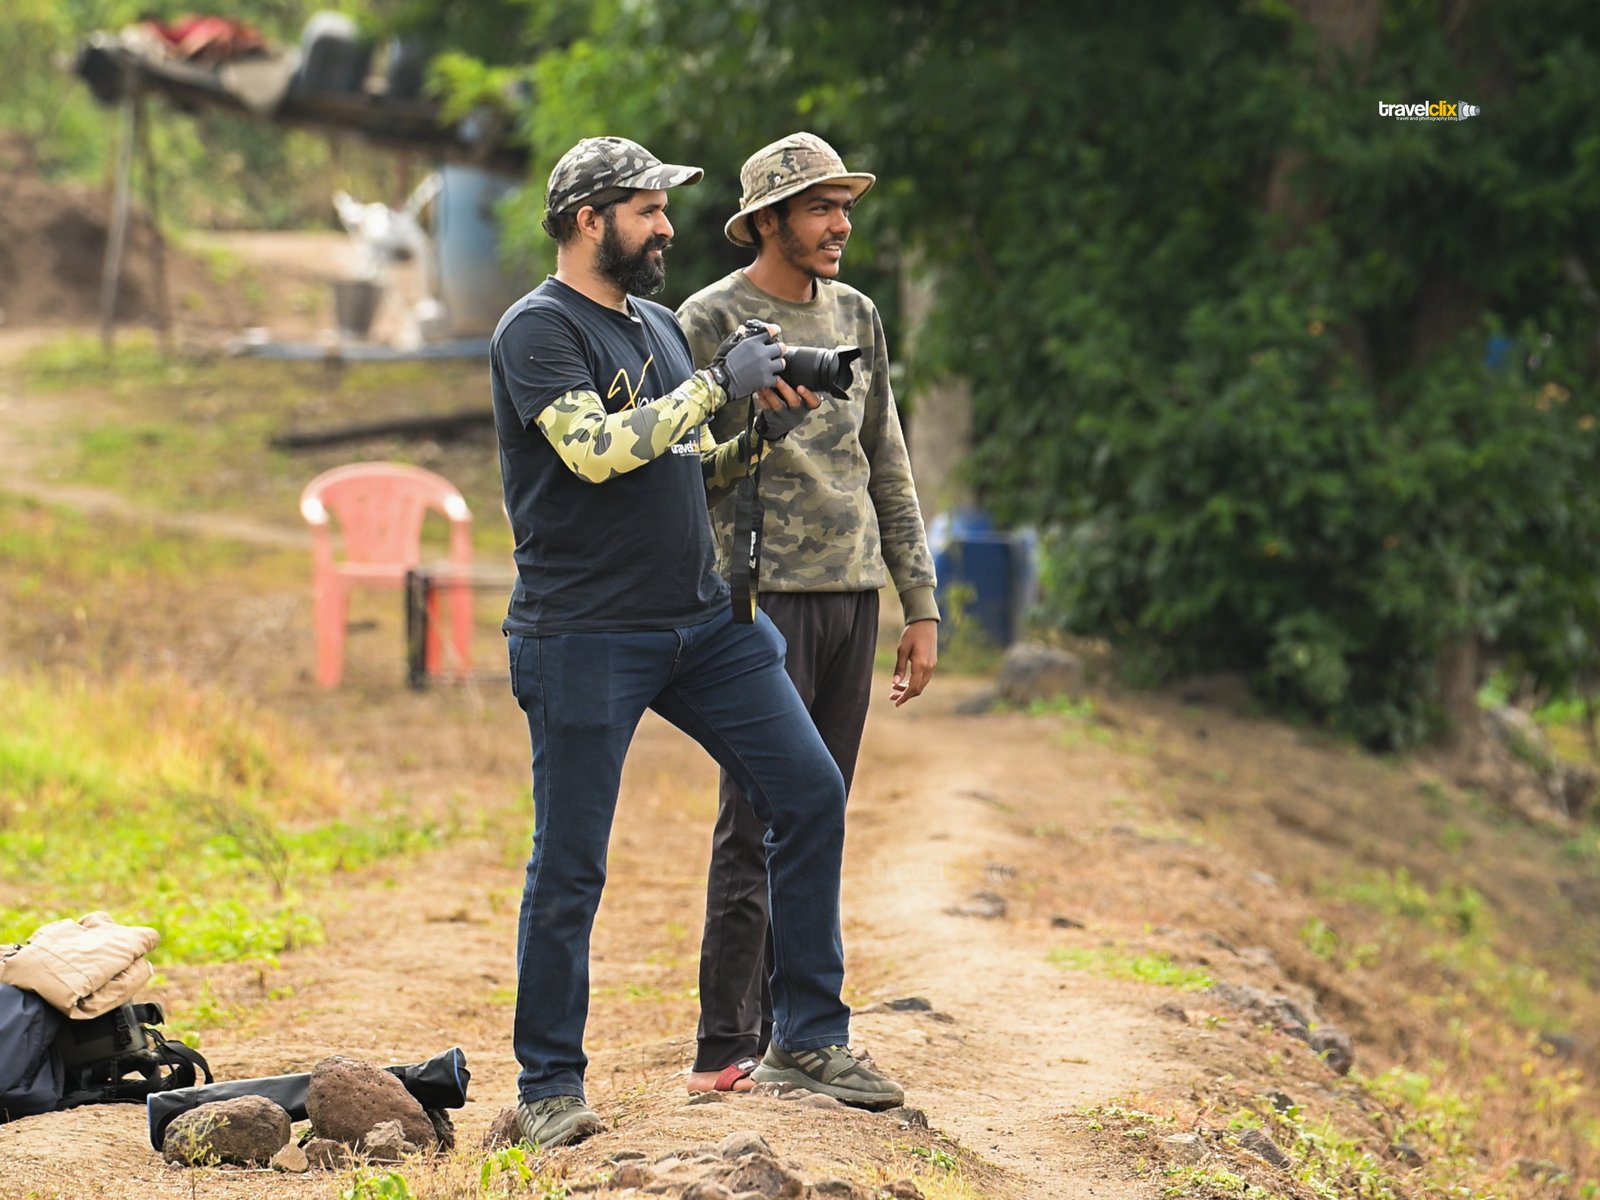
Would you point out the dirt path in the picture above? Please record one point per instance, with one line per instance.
(419, 959)
(419, 953)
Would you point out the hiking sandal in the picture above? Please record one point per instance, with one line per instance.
(729, 1078)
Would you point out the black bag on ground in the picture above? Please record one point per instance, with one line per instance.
(440, 1082)
(31, 1077)
(120, 1057)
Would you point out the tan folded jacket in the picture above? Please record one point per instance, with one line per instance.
(84, 967)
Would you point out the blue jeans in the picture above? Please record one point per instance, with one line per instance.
(724, 685)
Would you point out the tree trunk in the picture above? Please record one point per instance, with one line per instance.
(939, 425)
(1458, 695)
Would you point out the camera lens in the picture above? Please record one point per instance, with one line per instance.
(821, 370)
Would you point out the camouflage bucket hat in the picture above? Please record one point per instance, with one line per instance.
(604, 164)
(785, 168)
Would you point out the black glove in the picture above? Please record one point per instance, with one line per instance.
(749, 328)
(750, 364)
(775, 424)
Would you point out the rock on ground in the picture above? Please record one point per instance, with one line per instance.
(347, 1097)
(244, 1131)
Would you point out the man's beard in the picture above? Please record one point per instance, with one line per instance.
(634, 271)
(795, 250)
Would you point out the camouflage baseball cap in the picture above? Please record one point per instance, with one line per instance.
(785, 168)
(601, 164)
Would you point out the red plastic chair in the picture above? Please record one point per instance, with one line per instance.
(379, 508)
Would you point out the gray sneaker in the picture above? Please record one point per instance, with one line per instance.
(557, 1121)
(832, 1071)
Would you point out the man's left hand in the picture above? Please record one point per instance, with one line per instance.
(780, 408)
(914, 661)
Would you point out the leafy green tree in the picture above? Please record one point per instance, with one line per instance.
(1299, 389)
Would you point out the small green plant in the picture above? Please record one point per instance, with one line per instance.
(209, 1010)
(1131, 1124)
(510, 1161)
(385, 1185)
(190, 1142)
(1455, 908)
(1319, 938)
(939, 1158)
(80, 359)
(1077, 708)
(1118, 963)
(222, 264)
(937, 1175)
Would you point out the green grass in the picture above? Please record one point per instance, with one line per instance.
(1453, 926)
(1403, 1135)
(1119, 963)
(182, 810)
(181, 434)
(1214, 1183)
(39, 542)
(1403, 1109)
(77, 360)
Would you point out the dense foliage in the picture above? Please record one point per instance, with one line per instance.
(1301, 390)
(1296, 388)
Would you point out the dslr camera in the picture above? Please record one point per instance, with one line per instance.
(811, 367)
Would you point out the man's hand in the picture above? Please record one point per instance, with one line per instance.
(741, 332)
(914, 660)
(781, 408)
(750, 365)
(750, 328)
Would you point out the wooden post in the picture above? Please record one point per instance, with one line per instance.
(117, 234)
(158, 245)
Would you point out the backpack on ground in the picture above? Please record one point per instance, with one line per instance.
(32, 1079)
(121, 1057)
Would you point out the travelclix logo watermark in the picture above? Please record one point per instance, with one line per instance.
(1429, 110)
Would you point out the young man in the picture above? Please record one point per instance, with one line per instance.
(840, 509)
(605, 460)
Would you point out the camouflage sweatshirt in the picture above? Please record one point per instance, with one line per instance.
(840, 503)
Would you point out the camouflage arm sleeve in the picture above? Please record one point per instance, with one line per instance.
(725, 463)
(598, 445)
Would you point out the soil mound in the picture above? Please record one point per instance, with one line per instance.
(52, 256)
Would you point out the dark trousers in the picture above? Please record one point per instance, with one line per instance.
(723, 684)
(832, 637)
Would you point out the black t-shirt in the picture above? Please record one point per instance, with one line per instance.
(634, 552)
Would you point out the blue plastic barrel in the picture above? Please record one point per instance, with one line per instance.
(991, 569)
(471, 283)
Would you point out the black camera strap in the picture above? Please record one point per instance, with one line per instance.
(744, 571)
